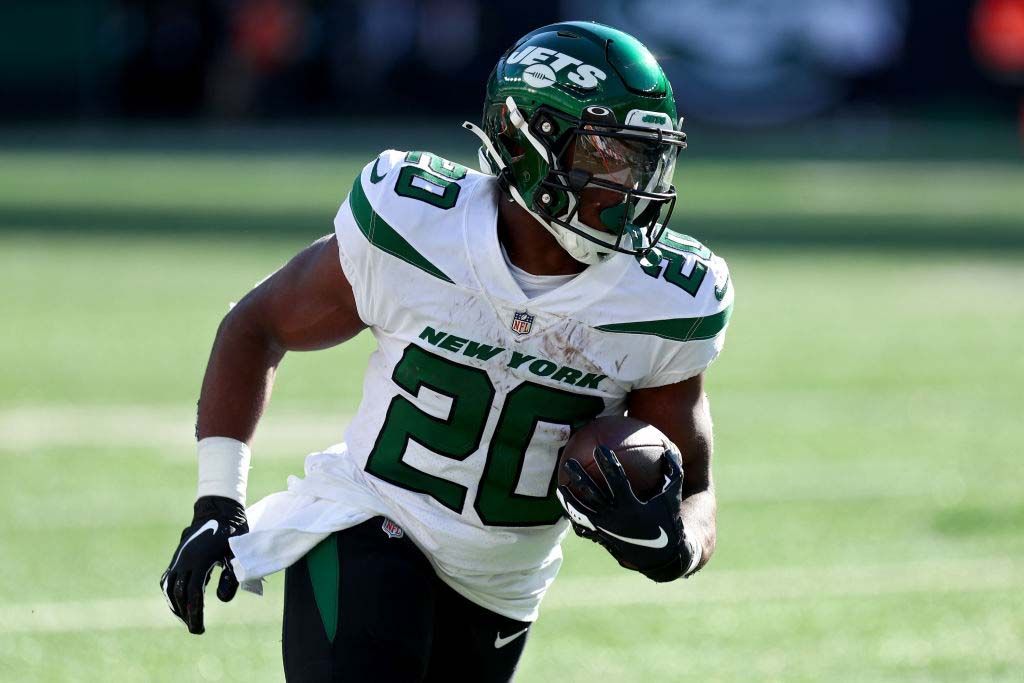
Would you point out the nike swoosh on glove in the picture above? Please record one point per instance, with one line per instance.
(203, 546)
(645, 536)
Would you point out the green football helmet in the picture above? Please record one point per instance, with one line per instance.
(580, 127)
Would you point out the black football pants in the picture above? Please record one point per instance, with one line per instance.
(365, 605)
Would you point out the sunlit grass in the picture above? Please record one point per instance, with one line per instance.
(867, 413)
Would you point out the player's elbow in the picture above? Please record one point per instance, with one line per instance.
(244, 326)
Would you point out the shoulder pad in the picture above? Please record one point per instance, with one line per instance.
(401, 203)
(403, 177)
(688, 288)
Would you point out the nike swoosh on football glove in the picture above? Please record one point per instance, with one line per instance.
(203, 546)
(645, 536)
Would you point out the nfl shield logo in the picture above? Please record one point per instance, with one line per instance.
(391, 529)
(522, 322)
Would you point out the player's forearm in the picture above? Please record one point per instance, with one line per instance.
(700, 507)
(699, 520)
(238, 379)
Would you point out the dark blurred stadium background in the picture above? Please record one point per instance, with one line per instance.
(747, 63)
(857, 161)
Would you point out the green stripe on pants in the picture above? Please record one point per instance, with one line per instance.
(322, 562)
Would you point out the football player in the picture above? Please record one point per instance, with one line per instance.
(510, 307)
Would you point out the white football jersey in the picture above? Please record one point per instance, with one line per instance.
(474, 388)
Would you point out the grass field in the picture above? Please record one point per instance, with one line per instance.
(868, 414)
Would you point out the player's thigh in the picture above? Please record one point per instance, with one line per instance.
(307, 650)
(473, 643)
(367, 599)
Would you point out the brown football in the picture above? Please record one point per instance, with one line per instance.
(638, 446)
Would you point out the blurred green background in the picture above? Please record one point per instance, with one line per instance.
(868, 419)
(868, 406)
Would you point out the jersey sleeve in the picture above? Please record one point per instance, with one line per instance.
(359, 259)
(689, 344)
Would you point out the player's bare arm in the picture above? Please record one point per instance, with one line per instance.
(305, 306)
(681, 411)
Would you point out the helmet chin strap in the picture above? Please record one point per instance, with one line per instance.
(578, 248)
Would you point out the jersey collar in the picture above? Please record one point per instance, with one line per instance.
(492, 275)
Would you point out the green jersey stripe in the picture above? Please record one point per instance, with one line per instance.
(676, 329)
(384, 237)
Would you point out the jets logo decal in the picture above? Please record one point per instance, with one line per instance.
(545, 67)
(539, 76)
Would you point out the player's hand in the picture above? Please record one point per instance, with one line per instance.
(203, 545)
(647, 537)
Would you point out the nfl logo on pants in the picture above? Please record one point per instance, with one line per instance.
(391, 529)
(522, 322)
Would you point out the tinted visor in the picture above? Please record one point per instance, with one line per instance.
(618, 168)
(634, 164)
(611, 182)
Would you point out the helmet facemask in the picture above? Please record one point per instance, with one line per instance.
(605, 182)
(616, 179)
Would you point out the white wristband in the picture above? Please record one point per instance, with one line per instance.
(223, 468)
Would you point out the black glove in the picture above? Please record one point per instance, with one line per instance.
(647, 537)
(203, 545)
